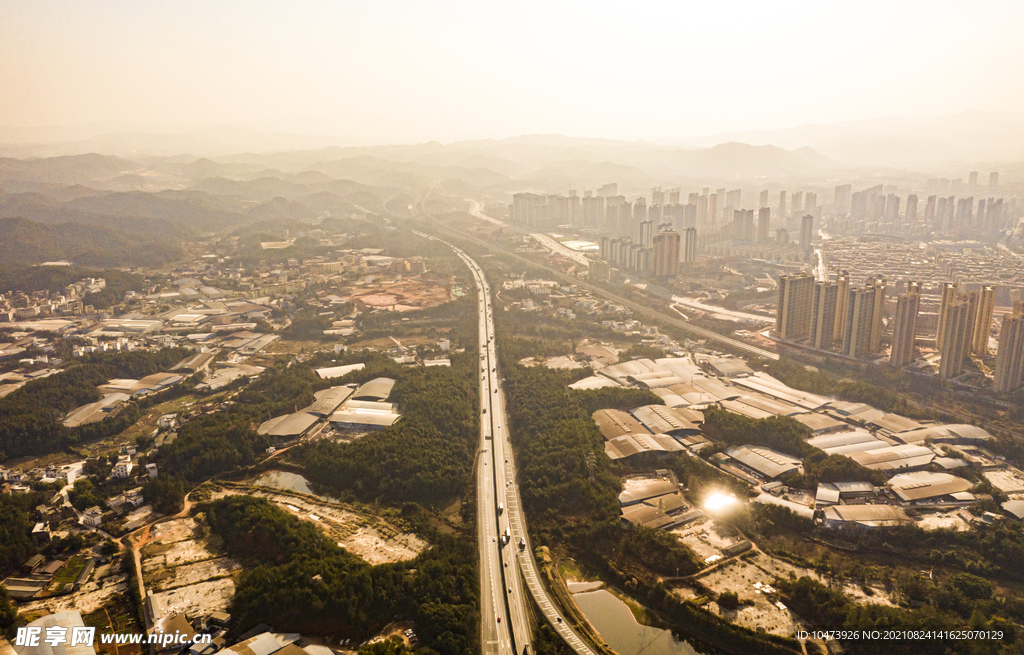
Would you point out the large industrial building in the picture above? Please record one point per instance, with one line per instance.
(852, 517)
(764, 462)
(648, 429)
(924, 486)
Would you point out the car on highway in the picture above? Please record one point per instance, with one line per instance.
(499, 619)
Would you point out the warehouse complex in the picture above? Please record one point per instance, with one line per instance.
(919, 457)
(342, 407)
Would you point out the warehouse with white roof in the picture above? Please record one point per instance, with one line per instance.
(764, 462)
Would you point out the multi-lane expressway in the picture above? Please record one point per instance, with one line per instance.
(506, 557)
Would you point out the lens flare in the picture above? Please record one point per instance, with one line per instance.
(718, 501)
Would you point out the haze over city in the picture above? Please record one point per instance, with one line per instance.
(402, 72)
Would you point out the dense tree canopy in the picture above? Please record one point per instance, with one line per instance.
(427, 456)
(16, 523)
(301, 581)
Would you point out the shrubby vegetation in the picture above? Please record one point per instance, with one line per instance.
(212, 444)
(301, 581)
(166, 493)
(16, 523)
(307, 325)
(962, 603)
(777, 432)
(612, 398)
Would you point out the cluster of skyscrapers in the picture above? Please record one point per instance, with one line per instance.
(645, 237)
(832, 316)
(876, 210)
(610, 212)
(658, 254)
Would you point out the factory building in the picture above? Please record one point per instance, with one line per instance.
(764, 462)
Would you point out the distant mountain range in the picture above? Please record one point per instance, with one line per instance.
(968, 137)
(972, 137)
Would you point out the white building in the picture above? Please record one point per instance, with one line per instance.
(123, 468)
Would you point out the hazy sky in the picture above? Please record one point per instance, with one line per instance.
(412, 71)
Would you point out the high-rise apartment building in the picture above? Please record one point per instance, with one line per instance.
(911, 213)
(797, 202)
(875, 344)
(762, 200)
(993, 180)
(972, 179)
(647, 234)
(764, 219)
(657, 196)
(722, 204)
(639, 211)
(593, 211)
(983, 324)
(955, 329)
(608, 190)
(743, 224)
(665, 257)
(806, 230)
(860, 311)
(673, 196)
(905, 326)
(782, 205)
(732, 199)
(973, 301)
(842, 298)
(713, 209)
(823, 314)
(950, 291)
(892, 209)
(793, 311)
(690, 245)
(843, 196)
(929, 211)
(1010, 356)
(615, 206)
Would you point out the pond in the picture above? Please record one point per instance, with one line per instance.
(612, 618)
(289, 482)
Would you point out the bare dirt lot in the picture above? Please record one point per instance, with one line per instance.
(747, 576)
(370, 537)
(182, 573)
(92, 596)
